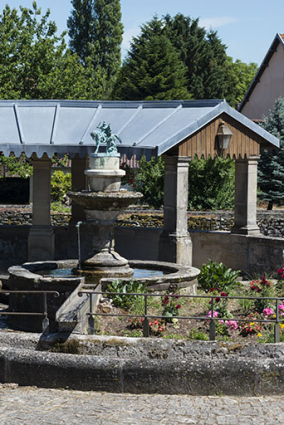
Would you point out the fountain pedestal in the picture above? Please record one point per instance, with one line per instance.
(103, 202)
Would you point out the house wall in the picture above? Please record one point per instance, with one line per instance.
(252, 254)
(269, 88)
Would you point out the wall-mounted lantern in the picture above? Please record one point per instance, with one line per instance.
(224, 136)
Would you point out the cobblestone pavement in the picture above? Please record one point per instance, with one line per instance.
(36, 406)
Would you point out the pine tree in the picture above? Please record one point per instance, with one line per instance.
(153, 69)
(271, 163)
(95, 32)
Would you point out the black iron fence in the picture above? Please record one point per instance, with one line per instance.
(212, 320)
(44, 313)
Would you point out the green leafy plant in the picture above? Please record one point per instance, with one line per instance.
(217, 276)
(121, 300)
(197, 335)
(60, 185)
(20, 167)
(150, 181)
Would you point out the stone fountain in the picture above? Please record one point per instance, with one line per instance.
(103, 202)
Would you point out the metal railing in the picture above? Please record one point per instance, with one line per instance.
(212, 319)
(44, 314)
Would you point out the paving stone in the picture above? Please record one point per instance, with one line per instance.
(38, 406)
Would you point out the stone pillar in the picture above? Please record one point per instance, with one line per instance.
(41, 236)
(79, 182)
(246, 197)
(175, 242)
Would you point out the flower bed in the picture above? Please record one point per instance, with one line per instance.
(240, 311)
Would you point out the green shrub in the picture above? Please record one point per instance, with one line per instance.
(217, 276)
(125, 301)
(60, 185)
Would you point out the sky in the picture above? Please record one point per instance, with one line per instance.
(246, 27)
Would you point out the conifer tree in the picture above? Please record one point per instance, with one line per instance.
(271, 163)
(153, 69)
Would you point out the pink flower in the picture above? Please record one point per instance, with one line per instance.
(267, 311)
(215, 314)
(232, 325)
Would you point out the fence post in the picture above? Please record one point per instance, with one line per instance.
(146, 328)
(277, 326)
(45, 320)
(91, 320)
(212, 322)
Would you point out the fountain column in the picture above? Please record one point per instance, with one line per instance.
(103, 202)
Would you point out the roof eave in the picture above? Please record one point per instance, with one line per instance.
(272, 49)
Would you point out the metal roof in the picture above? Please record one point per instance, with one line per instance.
(278, 39)
(148, 128)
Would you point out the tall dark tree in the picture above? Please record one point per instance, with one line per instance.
(203, 54)
(95, 32)
(271, 163)
(207, 67)
(153, 69)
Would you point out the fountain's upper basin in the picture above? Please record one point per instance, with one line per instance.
(105, 201)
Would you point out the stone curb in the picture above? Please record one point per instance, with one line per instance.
(197, 368)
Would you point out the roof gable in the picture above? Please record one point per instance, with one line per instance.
(279, 39)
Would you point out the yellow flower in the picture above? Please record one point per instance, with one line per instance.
(274, 315)
(259, 334)
(281, 325)
(252, 323)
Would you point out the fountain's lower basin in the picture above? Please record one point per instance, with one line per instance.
(33, 277)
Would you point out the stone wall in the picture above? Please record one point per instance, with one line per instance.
(271, 223)
(252, 254)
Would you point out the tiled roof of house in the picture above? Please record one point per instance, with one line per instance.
(282, 36)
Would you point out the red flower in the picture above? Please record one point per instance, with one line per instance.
(178, 306)
(224, 294)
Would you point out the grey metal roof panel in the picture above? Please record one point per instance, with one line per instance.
(144, 127)
(36, 124)
(9, 133)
